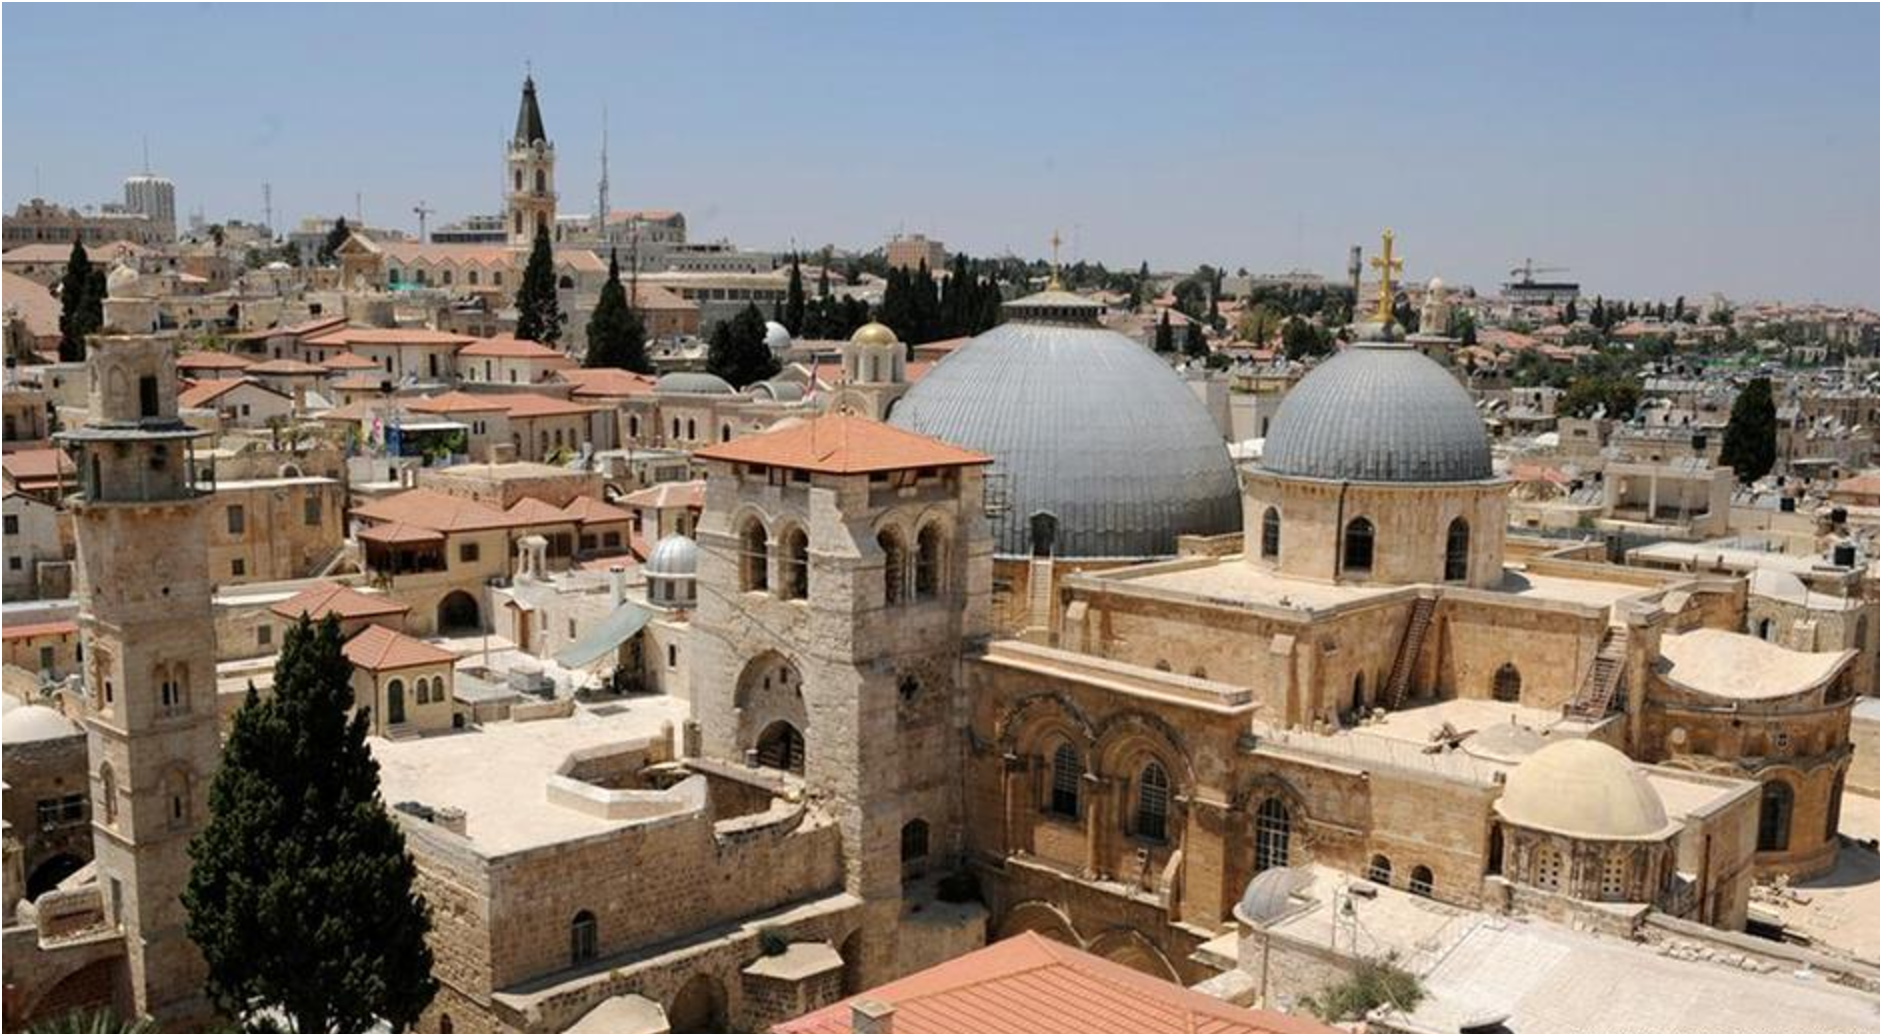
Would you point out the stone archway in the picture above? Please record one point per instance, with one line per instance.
(1130, 948)
(51, 872)
(1042, 918)
(699, 1007)
(458, 612)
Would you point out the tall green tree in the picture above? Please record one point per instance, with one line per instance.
(1195, 341)
(794, 304)
(1302, 340)
(615, 335)
(822, 278)
(81, 304)
(334, 238)
(538, 310)
(1749, 440)
(1164, 335)
(738, 352)
(300, 887)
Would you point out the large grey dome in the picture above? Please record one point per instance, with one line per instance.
(1084, 424)
(1378, 412)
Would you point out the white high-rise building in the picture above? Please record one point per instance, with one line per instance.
(155, 197)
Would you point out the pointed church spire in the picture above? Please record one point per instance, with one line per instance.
(529, 117)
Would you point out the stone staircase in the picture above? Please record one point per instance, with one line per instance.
(1398, 685)
(1601, 688)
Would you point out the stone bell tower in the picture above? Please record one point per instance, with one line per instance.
(843, 567)
(530, 195)
(149, 639)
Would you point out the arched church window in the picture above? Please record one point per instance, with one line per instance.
(1508, 683)
(107, 792)
(1379, 870)
(795, 565)
(541, 181)
(781, 747)
(913, 848)
(1152, 803)
(1772, 826)
(1269, 534)
(1272, 835)
(1360, 544)
(756, 558)
(518, 183)
(1422, 881)
(176, 789)
(1067, 774)
(927, 551)
(1766, 630)
(1456, 552)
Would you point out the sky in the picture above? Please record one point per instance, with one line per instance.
(1652, 151)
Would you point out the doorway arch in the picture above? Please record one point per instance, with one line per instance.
(458, 612)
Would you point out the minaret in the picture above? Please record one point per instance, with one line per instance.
(531, 195)
(600, 217)
(149, 637)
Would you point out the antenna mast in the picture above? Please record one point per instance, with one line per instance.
(600, 220)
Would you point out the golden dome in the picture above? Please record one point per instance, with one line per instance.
(874, 333)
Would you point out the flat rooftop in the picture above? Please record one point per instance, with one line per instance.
(498, 773)
(1233, 580)
(1586, 592)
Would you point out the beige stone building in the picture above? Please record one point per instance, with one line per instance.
(275, 529)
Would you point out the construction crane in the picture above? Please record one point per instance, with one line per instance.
(423, 213)
(1527, 269)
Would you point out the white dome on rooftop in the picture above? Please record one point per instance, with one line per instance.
(776, 337)
(1585, 789)
(35, 723)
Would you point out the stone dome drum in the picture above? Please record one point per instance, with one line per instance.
(1378, 411)
(1086, 426)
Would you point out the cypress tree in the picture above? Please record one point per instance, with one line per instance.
(1749, 440)
(822, 279)
(1195, 342)
(81, 312)
(300, 888)
(794, 306)
(1164, 335)
(615, 335)
(738, 352)
(538, 311)
(334, 238)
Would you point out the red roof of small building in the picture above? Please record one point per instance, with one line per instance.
(287, 368)
(843, 443)
(530, 510)
(212, 361)
(399, 531)
(398, 337)
(39, 629)
(348, 361)
(426, 508)
(520, 405)
(341, 600)
(668, 495)
(377, 648)
(31, 468)
(511, 348)
(1028, 984)
(589, 510)
(607, 383)
(205, 393)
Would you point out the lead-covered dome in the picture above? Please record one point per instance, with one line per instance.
(1086, 426)
(1584, 789)
(1378, 411)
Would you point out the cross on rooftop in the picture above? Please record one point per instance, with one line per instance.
(1386, 264)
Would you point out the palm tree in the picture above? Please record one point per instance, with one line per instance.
(93, 1021)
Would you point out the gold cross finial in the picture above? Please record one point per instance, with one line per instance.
(1386, 265)
(1056, 266)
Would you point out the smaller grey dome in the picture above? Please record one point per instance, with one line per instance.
(35, 723)
(1269, 895)
(687, 383)
(674, 556)
(776, 391)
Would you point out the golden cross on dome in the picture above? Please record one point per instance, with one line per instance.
(1386, 264)
(1056, 266)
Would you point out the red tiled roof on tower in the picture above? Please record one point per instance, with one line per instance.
(1030, 985)
(843, 443)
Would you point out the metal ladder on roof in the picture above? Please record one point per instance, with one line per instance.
(1601, 686)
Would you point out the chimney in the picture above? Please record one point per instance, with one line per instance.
(871, 1016)
(617, 583)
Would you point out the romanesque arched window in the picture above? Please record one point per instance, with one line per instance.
(1272, 835)
(754, 544)
(1766, 630)
(541, 181)
(1152, 803)
(1422, 881)
(913, 848)
(1772, 826)
(176, 794)
(1269, 534)
(107, 793)
(584, 936)
(1508, 683)
(1456, 552)
(1379, 870)
(781, 747)
(893, 565)
(1067, 776)
(795, 565)
(928, 548)
(395, 702)
(1360, 544)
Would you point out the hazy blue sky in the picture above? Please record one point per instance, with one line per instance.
(1654, 150)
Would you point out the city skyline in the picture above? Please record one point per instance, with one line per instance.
(1676, 152)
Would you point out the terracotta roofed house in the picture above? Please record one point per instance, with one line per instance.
(1029, 984)
(407, 683)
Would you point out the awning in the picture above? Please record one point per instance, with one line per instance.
(603, 639)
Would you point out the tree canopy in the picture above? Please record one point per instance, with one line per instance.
(300, 888)
(738, 352)
(81, 303)
(1749, 440)
(334, 238)
(538, 310)
(616, 337)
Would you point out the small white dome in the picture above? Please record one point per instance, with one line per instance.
(1436, 283)
(35, 723)
(1584, 789)
(674, 556)
(776, 336)
(119, 276)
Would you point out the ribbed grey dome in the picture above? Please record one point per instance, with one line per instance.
(1085, 424)
(1378, 412)
(687, 382)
